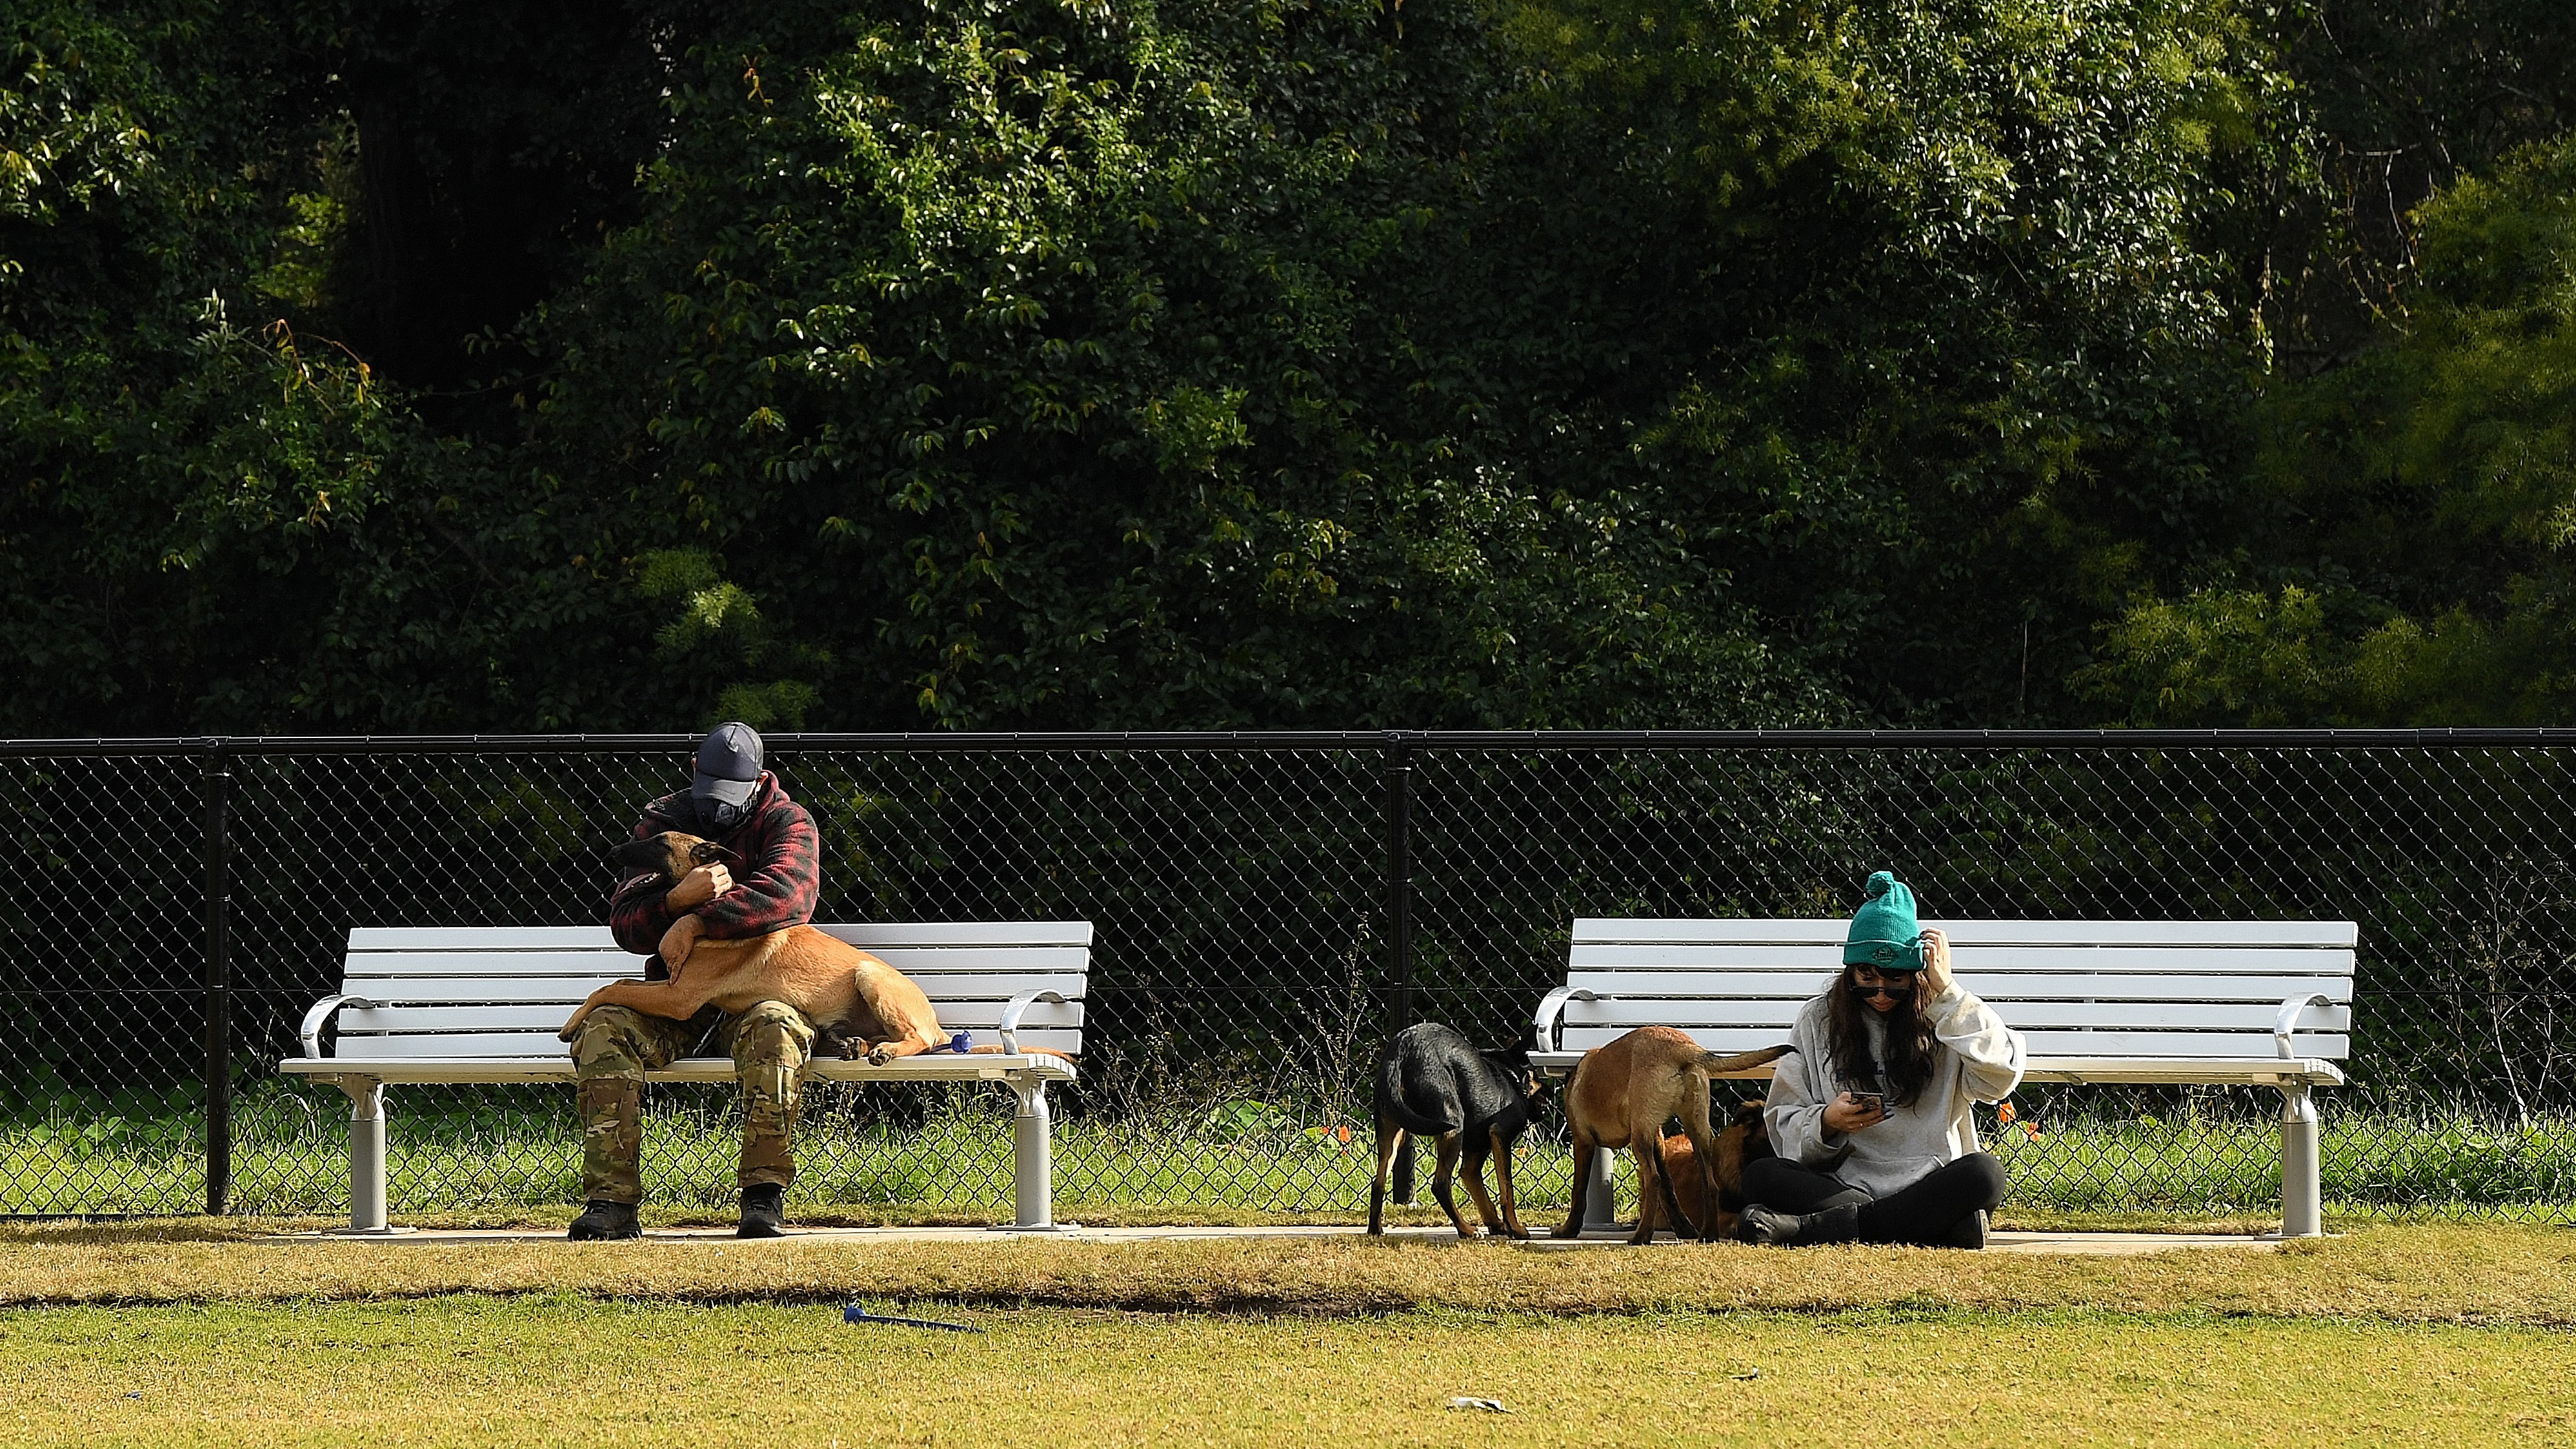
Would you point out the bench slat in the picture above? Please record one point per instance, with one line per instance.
(412, 991)
(2024, 1016)
(979, 987)
(2180, 1045)
(1717, 986)
(374, 965)
(2109, 960)
(1649, 930)
(926, 933)
(934, 1068)
(2172, 1071)
(356, 1052)
(484, 990)
(356, 1022)
(928, 961)
(915, 961)
(870, 933)
(477, 938)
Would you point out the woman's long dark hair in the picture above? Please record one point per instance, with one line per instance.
(1910, 1046)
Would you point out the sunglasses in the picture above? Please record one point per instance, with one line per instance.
(1862, 989)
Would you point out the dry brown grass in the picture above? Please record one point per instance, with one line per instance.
(553, 1370)
(2473, 1274)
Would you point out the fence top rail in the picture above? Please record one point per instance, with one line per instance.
(786, 744)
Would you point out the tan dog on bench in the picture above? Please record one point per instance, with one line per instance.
(1620, 1095)
(878, 1012)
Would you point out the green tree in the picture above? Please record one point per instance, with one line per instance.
(2414, 567)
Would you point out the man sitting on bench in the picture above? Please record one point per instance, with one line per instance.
(732, 801)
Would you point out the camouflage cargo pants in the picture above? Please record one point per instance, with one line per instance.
(616, 1046)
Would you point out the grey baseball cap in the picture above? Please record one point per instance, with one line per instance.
(728, 764)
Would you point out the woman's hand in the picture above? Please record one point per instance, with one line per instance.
(1935, 976)
(1848, 1113)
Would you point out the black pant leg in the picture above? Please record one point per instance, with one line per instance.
(1938, 1209)
(1785, 1187)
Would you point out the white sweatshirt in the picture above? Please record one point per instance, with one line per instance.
(1977, 1059)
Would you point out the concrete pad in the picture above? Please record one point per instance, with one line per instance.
(2071, 1244)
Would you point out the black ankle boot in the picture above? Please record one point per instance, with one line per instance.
(764, 1211)
(602, 1222)
(1762, 1226)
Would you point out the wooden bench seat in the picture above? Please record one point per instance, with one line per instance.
(2207, 1003)
(483, 1004)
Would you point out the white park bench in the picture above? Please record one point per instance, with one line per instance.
(2206, 1003)
(483, 1004)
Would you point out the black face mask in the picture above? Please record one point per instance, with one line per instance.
(720, 816)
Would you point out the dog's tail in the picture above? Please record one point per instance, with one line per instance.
(1742, 1061)
(1390, 1100)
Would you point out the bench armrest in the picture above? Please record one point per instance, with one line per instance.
(321, 1015)
(1019, 1007)
(2291, 1010)
(1543, 1027)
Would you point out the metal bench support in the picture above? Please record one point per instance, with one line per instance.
(1600, 1198)
(366, 1155)
(2302, 1187)
(1032, 1162)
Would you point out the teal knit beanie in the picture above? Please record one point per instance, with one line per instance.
(1884, 929)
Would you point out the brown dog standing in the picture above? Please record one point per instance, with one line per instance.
(1741, 1140)
(876, 1010)
(1621, 1094)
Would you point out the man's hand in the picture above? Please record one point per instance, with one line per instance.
(1935, 975)
(1848, 1113)
(698, 887)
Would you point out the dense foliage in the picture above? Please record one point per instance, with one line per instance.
(1058, 363)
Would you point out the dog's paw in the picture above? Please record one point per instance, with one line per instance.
(880, 1054)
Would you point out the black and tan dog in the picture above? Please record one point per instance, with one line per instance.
(1743, 1139)
(874, 1010)
(1620, 1096)
(1432, 1083)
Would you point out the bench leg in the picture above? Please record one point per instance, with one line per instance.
(2302, 1187)
(1032, 1162)
(366, 1155)
(1600, 1199)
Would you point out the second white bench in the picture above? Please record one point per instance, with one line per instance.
(2206, 1003)
(483, 1004)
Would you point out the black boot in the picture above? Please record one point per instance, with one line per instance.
(764, 1211)
(602, 1222)
(1762, 1226)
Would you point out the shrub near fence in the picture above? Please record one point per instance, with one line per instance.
(1268, 907)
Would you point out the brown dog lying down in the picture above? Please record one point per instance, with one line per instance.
(1741, 1140)
(1620, 1095)
(874, 1010)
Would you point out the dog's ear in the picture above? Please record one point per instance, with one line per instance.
(706, 851)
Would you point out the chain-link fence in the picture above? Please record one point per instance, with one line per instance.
(1267, 908)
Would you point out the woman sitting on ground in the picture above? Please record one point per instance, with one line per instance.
(1869, 1111)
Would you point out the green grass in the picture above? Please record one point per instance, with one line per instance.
(546, 1370)
(518, 1151)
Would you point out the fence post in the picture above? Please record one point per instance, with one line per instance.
(218, 780)
(1399, 916)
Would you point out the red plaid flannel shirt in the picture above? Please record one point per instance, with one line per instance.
(774, 886)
